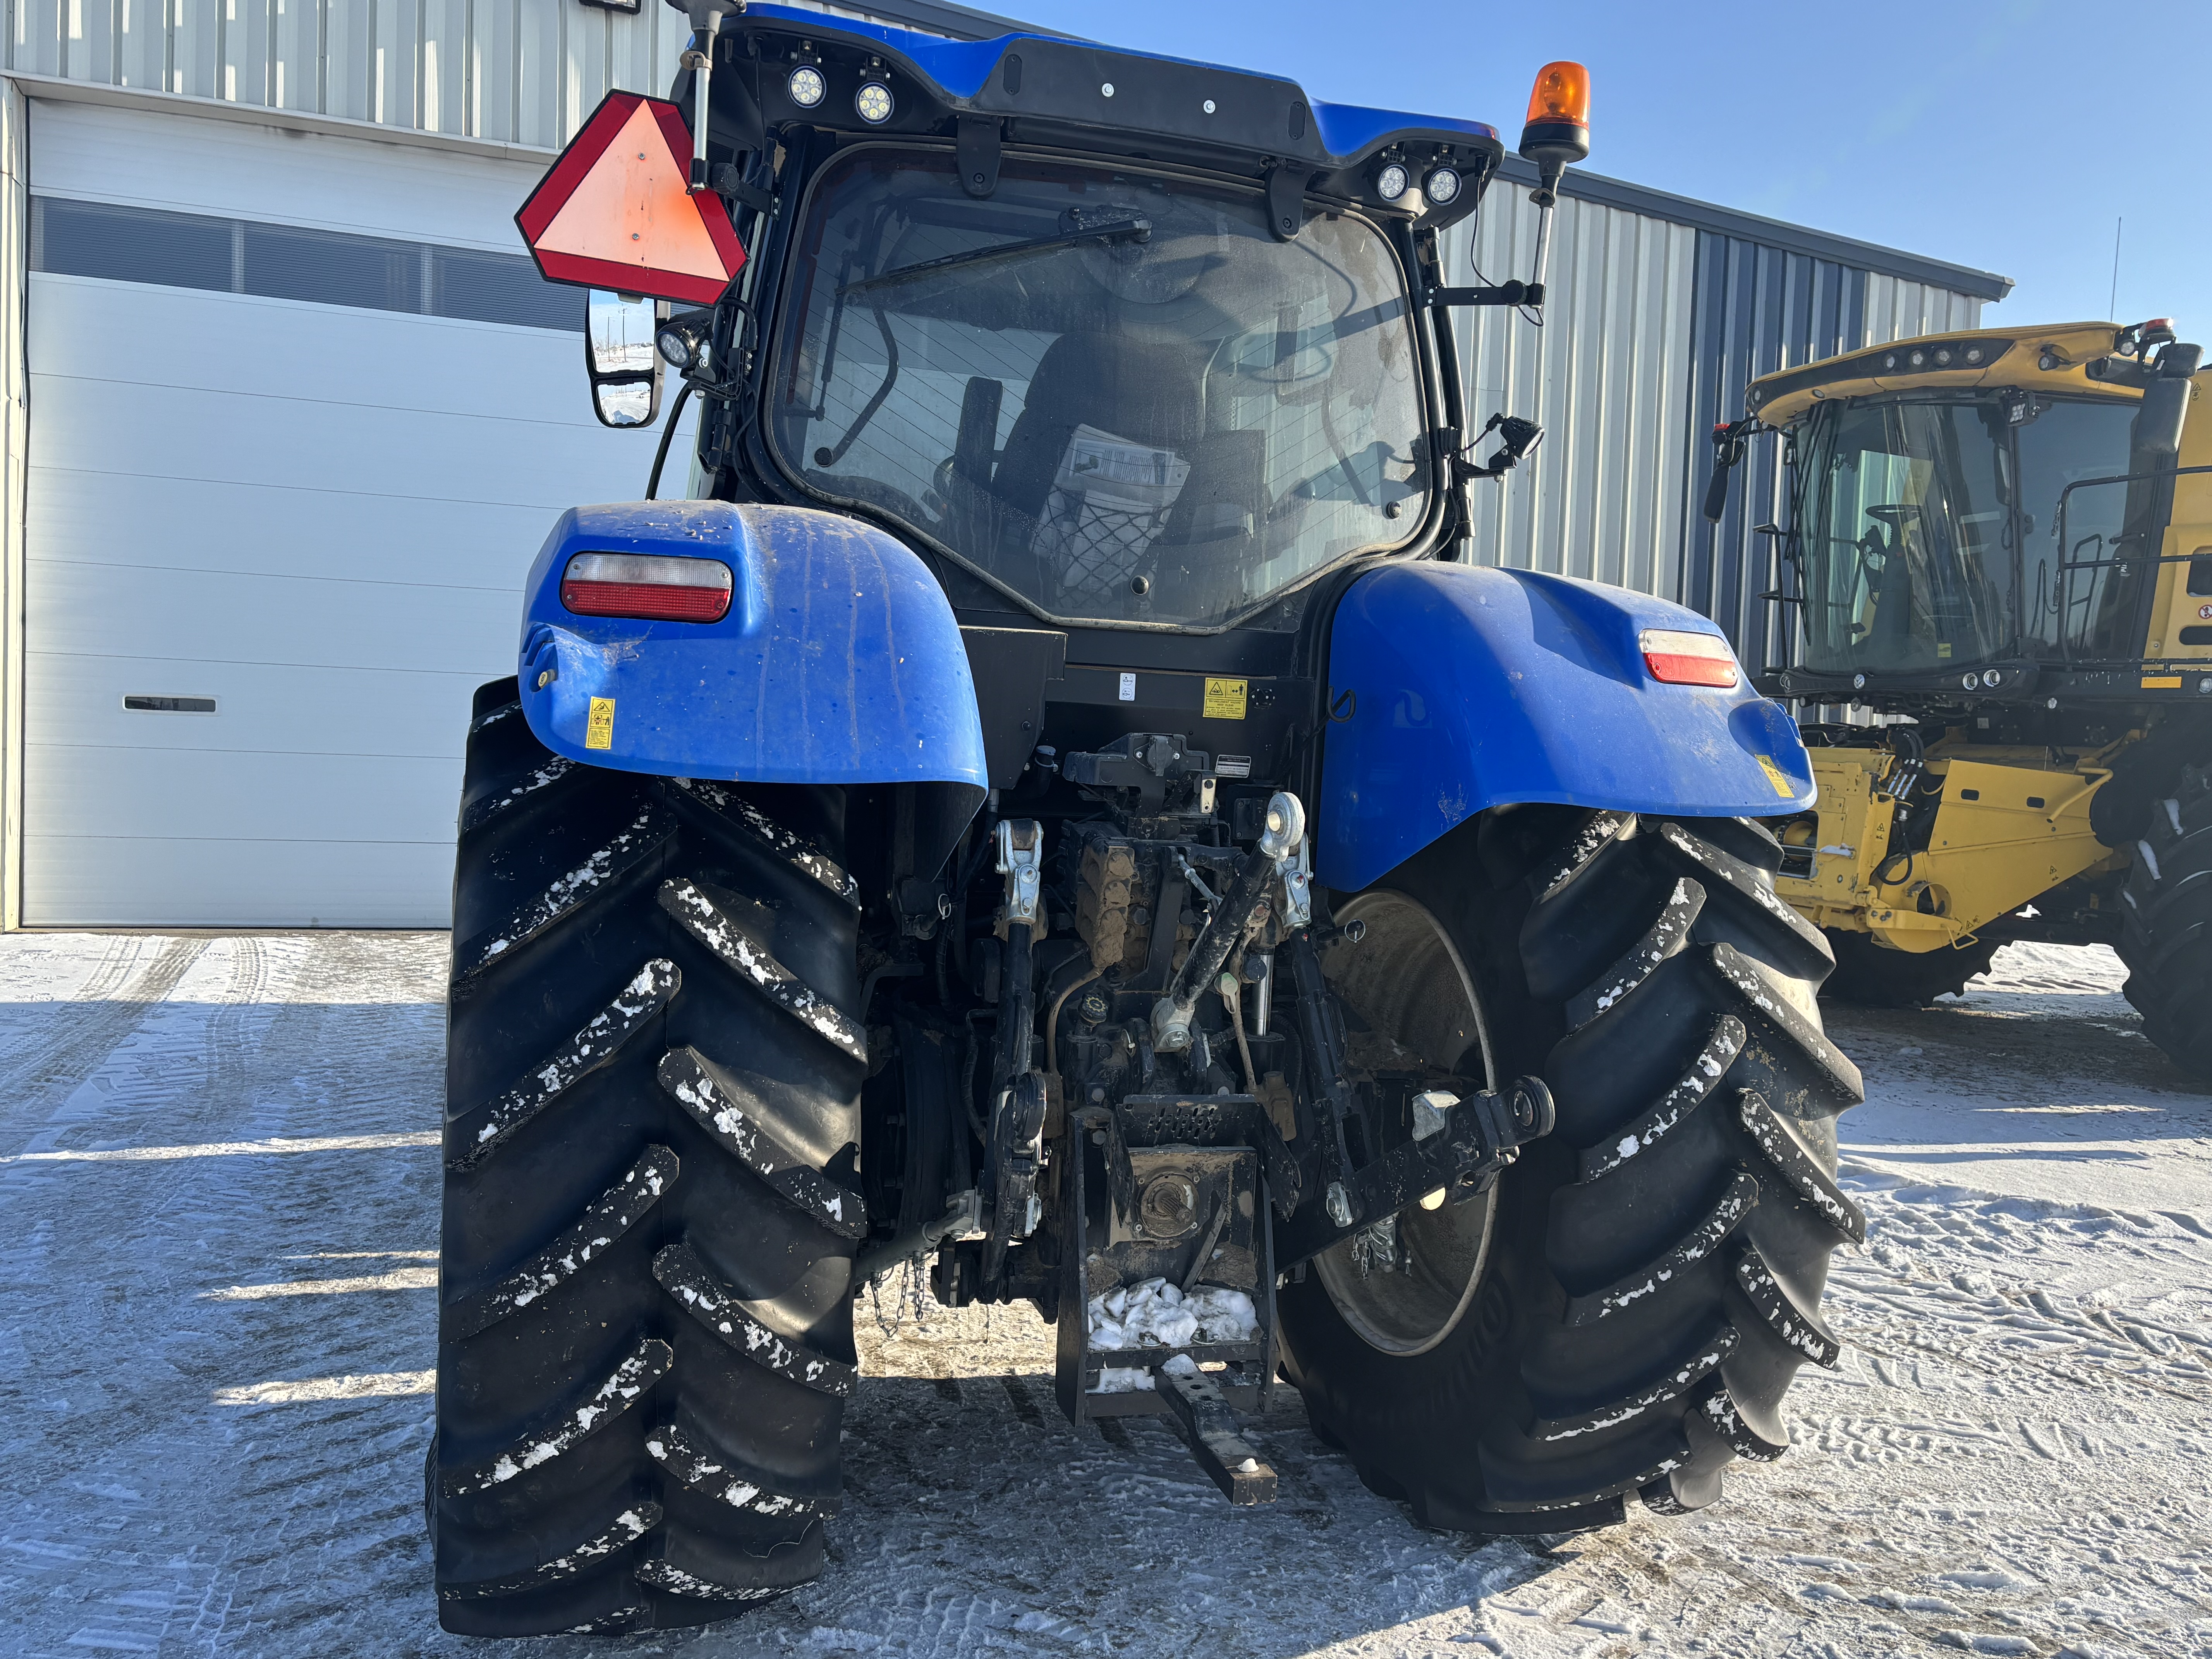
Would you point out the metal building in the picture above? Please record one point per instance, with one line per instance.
(284, 414)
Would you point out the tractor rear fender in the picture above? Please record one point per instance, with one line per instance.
(1455, 688)
(838, 661)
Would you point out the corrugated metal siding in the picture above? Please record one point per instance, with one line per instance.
(1896, 308)
(516, 71)
(1607, 378)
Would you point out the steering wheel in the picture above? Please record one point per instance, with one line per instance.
(1873, 551)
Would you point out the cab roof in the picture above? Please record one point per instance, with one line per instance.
(1068, 94)
(2053, 358)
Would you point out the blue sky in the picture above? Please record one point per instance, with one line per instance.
(2005, 134)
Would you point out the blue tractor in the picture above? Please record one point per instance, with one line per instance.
(1062, 802)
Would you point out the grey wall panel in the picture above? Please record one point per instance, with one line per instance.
(1606, 377)
(1896, 307)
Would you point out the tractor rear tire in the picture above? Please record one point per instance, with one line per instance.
(653, 1082)
(1622, 1316)
(1871, 975)
(2166, 933)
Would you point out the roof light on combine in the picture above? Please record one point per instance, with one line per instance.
(1678, 656)
(655, 589)
(1442, 186)
(1390, 183)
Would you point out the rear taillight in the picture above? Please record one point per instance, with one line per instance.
(653, 589)
(1678, 657)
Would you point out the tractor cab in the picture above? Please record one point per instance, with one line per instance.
(1113, 340)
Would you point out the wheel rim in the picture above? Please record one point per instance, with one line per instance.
(1405, 1288)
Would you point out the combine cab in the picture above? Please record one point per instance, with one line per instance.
(2003, 540)
(1061, 801)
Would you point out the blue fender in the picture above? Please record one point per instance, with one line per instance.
(1471, 688)
(839, 660)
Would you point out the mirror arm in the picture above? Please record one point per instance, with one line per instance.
(706, 19)
(1505, 293)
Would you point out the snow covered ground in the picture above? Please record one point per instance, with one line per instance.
(218, 1215)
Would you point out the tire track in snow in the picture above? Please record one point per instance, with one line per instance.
(259, 1035)
(93, 1026)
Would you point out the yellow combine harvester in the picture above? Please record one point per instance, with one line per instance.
(2000, 542)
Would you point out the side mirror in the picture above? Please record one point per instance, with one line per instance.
(1717, 493)
(2159, 421)
(620, 359)
(1728, 449)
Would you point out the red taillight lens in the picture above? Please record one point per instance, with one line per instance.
(652, 589)
(1676, 657)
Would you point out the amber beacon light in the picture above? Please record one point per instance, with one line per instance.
(1558, 131)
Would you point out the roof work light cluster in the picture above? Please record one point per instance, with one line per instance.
(1941, 356)
(1440, 184)
(807, 86)
(1953, 356)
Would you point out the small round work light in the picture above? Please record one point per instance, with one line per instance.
(1441, 186)
(873, 103)
(806, 86)
(1390, 183)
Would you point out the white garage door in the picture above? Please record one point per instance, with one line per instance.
(300, 416)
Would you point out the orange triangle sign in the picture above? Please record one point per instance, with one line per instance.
(612, 211)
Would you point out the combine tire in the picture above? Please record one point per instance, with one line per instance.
(1874, 976)
(1623, 1314)
(2167, 936)
(653, 1081)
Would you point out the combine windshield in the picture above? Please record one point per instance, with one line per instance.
(1910, 512)
(1117, 395)
(1906, 528)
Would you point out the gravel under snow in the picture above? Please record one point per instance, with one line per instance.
(218, 1221)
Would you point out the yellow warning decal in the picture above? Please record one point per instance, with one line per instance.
(2161, 682)
(599, 730)
(1225, 700)
(1776, 776)
(1943, 650)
